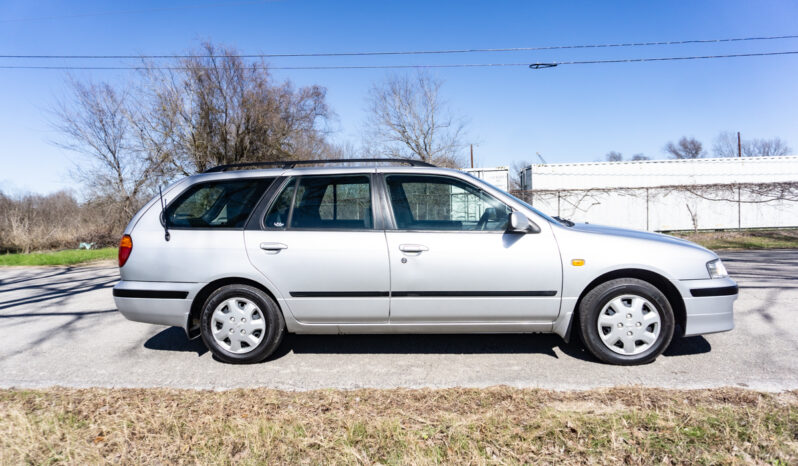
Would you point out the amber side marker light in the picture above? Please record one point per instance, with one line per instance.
(577, 262)
(125, 246)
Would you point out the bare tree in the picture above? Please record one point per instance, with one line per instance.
(213, 108)
(639, 157)
(208, 109)
(96, 123)
(766, 148)
(38, 222)
(686, 148)
(726, 146)
(410, 119)
(516, 175)
(614, 156)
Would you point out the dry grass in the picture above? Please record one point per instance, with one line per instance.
(745, 239)
(496, 425)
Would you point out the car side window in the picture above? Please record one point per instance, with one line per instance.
(429, 202)
(216, 204)
(323, 202)
(277, 216)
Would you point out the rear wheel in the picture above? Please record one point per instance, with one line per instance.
(626, 321)
(241, 324)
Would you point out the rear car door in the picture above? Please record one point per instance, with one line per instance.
(319, 245)
(452, 260)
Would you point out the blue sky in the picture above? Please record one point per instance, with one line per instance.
(568, 114)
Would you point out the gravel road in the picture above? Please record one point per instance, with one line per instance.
(59, 326)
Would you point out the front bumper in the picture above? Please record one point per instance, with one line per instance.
(155, 302)
(709, 306)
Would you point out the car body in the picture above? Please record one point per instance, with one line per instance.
(395, 249)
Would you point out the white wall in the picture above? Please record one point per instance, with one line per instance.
(651, 173)
(664, 209)
(633, 194)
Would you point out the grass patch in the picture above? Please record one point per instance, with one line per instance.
(65, 257)
(495, 425)
(745, 239)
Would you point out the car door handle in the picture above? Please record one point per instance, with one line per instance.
(413, 248)
(274, 247)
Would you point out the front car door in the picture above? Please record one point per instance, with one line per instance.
(319, 246)
(452, 260)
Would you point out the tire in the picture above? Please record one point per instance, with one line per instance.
(636, 324)
(241, 324)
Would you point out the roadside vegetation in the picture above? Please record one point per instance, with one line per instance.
(495, 425)
(744, 239)
(66, 257)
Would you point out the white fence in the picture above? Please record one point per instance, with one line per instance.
(669, 195)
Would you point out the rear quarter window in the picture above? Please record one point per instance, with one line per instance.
(217, 204)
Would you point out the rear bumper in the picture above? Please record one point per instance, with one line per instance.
(709, 308)
(155, 302)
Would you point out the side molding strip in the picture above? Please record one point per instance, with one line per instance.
(413, 294)
(151, 294)
(339, 294)
(474, 294)
(720, 291)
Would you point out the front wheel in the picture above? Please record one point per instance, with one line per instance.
(626, 321)
(241, 324)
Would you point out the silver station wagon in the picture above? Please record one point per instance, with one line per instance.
(239, 257)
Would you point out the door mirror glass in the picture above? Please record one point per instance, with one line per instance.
(518, 222)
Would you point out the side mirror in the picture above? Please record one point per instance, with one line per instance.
(519, 223)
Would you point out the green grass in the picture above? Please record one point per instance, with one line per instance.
(744, 239)
(66, 257)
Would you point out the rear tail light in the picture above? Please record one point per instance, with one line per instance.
(125, 246)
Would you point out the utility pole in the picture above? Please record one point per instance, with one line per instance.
(739, 196)
(739, 146)
(472, 155)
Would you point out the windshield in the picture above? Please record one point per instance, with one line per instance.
(567, 223)
(525, 204)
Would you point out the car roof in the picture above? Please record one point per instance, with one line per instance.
(267, 172)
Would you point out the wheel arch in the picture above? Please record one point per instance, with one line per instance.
(192, 325)
(660, 282)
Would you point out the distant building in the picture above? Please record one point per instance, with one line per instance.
(497, 176)
(665, 195)
(655, 173)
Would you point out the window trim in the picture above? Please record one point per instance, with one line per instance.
(376, 214)
(390, 213)
(162, 218)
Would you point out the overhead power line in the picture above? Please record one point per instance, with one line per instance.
(374, 67)
(409, 52)
(638, 60)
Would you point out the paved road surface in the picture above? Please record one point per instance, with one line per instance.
(59, 326)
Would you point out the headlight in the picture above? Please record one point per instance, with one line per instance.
(716, 269)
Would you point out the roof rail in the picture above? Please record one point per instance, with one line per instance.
(294, 163)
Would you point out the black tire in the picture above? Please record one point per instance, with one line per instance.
(270, 311)
(592, 305)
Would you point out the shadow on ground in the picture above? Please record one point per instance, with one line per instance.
(174, 339)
